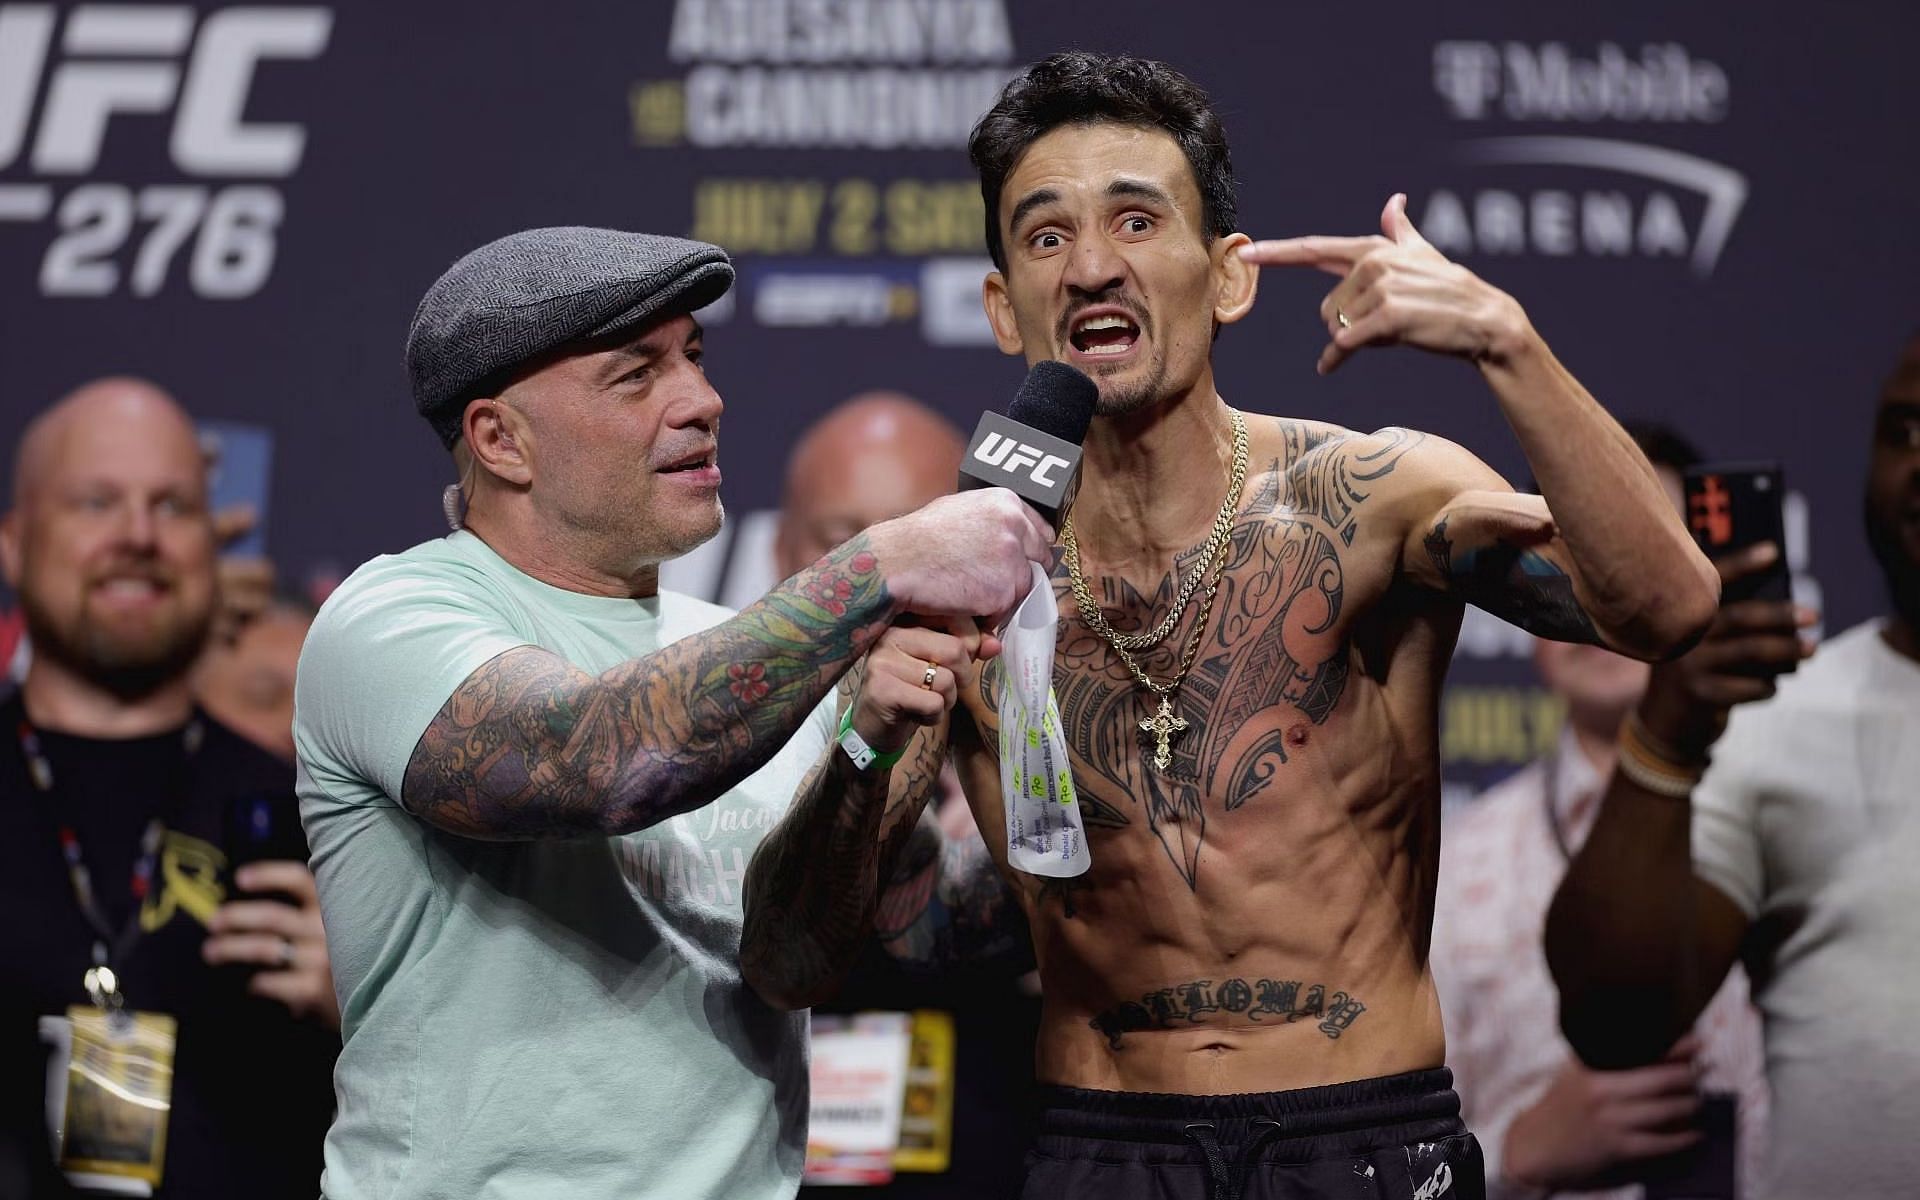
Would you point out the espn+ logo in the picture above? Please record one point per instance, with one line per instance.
(111, 69)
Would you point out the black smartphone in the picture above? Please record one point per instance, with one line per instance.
(263, 828)
(1705, 1170)
(1731, 506)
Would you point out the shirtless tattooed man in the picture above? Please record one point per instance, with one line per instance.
(1258, 613)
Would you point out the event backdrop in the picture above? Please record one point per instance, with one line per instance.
(1707, 209)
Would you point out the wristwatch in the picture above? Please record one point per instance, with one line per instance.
(863, 755)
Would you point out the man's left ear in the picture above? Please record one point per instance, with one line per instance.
(1235, 279)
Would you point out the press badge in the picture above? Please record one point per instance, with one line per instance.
(1044, 833)
(109, 1092)
(926, 1117)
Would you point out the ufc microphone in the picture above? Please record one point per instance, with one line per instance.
(1034, 449)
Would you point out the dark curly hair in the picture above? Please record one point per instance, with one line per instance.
(1078, 87)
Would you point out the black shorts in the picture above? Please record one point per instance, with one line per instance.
(1394, 1138)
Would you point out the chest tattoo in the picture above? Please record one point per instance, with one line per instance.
(1273, 663)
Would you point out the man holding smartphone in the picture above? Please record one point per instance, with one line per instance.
(143, 845)
(1794, 852)
(1550, 1123)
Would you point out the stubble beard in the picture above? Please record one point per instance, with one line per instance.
(1123, 398)
(708, 531)
(668, 536)
(129, 667)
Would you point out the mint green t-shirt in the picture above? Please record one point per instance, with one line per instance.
(560, 1018)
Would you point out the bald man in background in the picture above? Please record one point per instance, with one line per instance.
(873, 457)
(133, 825)
(876, 456)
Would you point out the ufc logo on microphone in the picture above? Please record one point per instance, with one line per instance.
(1014, 457)
(119, 59)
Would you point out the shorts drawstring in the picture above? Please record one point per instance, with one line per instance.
(1231, 1186)
(1202, 1135)
(1266, 1130)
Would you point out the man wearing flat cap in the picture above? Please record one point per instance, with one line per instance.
(533, 782)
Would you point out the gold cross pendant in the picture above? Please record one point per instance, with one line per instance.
(1163, 725)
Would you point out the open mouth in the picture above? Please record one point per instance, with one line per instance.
(1104, 334)
(130, 589)
(699, 462)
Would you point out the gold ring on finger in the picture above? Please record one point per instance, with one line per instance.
(1341, 317)
(926, 680)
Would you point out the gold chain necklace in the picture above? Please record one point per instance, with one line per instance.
(1163, 724)
(1222, 530)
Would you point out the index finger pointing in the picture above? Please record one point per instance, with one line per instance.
(1335, 255)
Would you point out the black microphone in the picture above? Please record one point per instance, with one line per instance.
(1034, 449)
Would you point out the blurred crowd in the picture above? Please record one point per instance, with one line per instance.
(1618, 1040)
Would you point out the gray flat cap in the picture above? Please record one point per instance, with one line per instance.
(525, 294)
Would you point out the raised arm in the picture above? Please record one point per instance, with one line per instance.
(1468, 534)
(1634, 570)
(529, 746)
(1612, 563)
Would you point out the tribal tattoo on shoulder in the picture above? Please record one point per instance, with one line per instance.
(1231, 1001)
(531, 746)
(1273, 662)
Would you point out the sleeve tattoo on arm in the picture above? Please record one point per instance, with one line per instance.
(530, 746)
(948, 906)
(815, 885)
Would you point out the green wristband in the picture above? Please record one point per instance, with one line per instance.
(863, 755)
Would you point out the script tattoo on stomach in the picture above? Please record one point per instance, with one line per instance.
(1275, 642)
(1259, 1002)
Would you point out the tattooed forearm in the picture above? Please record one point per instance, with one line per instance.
(1514, 583)
(811, 885)
(948, 907)
(814, 886)
(530, 746)
(1202, 1002)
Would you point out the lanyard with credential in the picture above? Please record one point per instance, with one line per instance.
(102, 985)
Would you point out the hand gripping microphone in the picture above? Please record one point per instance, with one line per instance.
(1035, 451)
(1034, 448)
